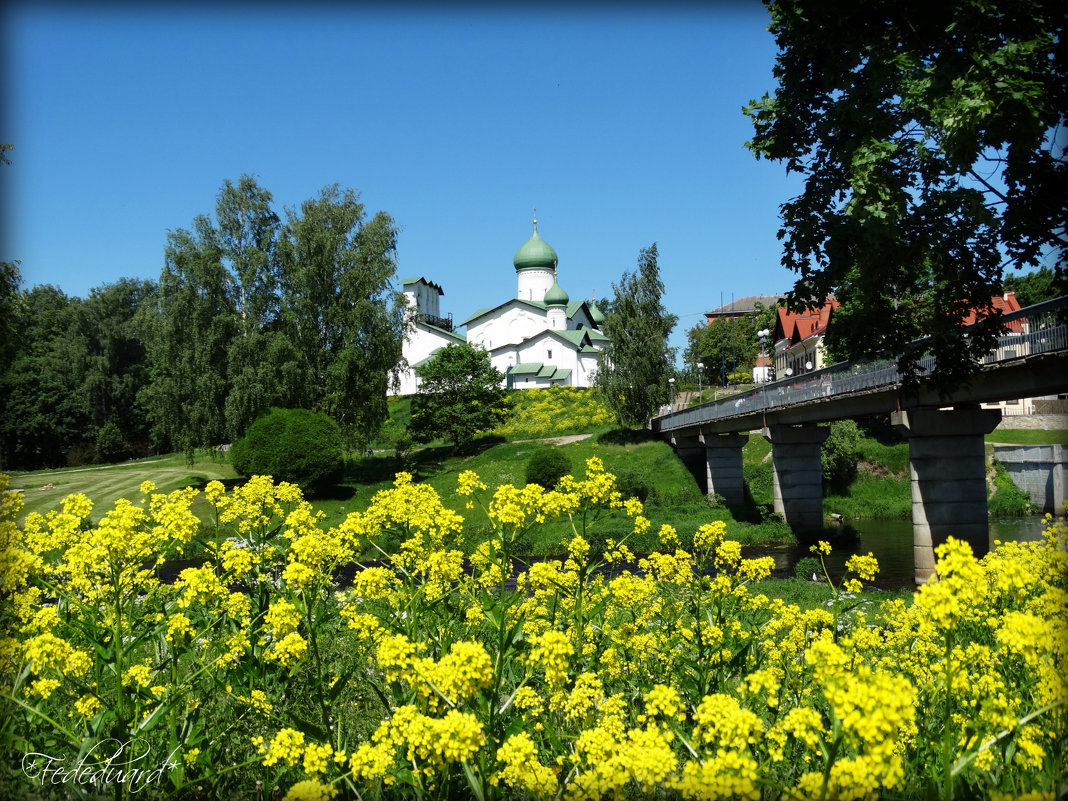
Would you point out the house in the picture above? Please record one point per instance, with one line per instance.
(539, 338)
(798, 338)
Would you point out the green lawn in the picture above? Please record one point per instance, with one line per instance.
(1028, 436)
(104, 484)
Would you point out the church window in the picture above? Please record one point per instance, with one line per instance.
(548, 354)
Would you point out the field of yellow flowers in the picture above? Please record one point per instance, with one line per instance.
(371, 660)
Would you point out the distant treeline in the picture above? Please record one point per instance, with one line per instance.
(251, 310)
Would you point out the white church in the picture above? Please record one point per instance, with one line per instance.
(539, 338)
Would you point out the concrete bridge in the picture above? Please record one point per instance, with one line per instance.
(947, 456)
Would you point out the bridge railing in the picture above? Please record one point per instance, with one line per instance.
(1041, 328)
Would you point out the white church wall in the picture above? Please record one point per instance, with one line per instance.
(418, 345)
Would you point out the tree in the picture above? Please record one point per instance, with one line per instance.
(116, 366)
(461, 395)
(633, 370)
(724, 347)
(190, 329)
(931, 141)
(10, 279)
(44, 416)
(340, 312)
(1034, 287)
(252, 314)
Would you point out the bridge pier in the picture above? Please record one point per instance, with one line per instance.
(947, 464)
(723, 466)
(797, 475)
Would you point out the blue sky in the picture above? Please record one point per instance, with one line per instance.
(622, 125)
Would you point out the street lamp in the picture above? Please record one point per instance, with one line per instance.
(671, 391)
(763, 335)
(700, 390)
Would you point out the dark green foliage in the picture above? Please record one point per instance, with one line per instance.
(839, 452)
(461, 395)
(295, 445)
(633, 370)
(78, 365)
(111, 444)
(339, 311)
(929, 139)
(1008, 500)
(632, 482)
(254, 313)
(807, 567)
(1035, 287)
(547, 466)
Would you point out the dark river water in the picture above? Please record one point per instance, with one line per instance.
(890, 541)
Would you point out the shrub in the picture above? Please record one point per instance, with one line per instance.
(81, 453)
(547, 466)
(807, 567)
(839, 453)
(1008, 500)
(632, 482)
(111, 444)
(295, 445)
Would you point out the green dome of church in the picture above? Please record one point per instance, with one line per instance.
(596, 314)
(556, 295)
(536, 254)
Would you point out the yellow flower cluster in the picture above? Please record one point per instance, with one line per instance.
(552, 412)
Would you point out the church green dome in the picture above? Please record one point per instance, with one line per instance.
(536, 254)
(556, 295)
(596, 314)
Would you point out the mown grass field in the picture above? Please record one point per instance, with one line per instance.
(104, 484)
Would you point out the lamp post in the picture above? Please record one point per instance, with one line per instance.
(763, 335)
(671, 392)
(700, 388)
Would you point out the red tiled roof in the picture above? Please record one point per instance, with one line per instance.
(1003, 304)
(797, 326)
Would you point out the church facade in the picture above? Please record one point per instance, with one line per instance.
(539, 338)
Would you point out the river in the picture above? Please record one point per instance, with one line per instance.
(890, 541)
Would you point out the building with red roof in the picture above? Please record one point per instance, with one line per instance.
(798, 338)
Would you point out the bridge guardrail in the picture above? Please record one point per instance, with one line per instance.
(1041, 328)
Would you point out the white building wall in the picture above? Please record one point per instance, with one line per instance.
(425, 298)
(418, 345)
(533, 284)
(507, 327)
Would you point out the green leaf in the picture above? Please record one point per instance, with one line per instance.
(474, 784)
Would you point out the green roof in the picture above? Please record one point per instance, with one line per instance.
(534, 304)
(539, 370)
(535, 254)
(405, 281)
(556, 296)
(450, 334)
(595, 313)
(526, 368)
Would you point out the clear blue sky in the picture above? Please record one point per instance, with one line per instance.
(623, 126)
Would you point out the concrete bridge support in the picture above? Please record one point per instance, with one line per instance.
(797, 475)
(691, 452)
(1039, 470)
(723, 463)
(947, 463)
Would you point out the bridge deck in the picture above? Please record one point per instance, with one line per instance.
(1031, 360)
